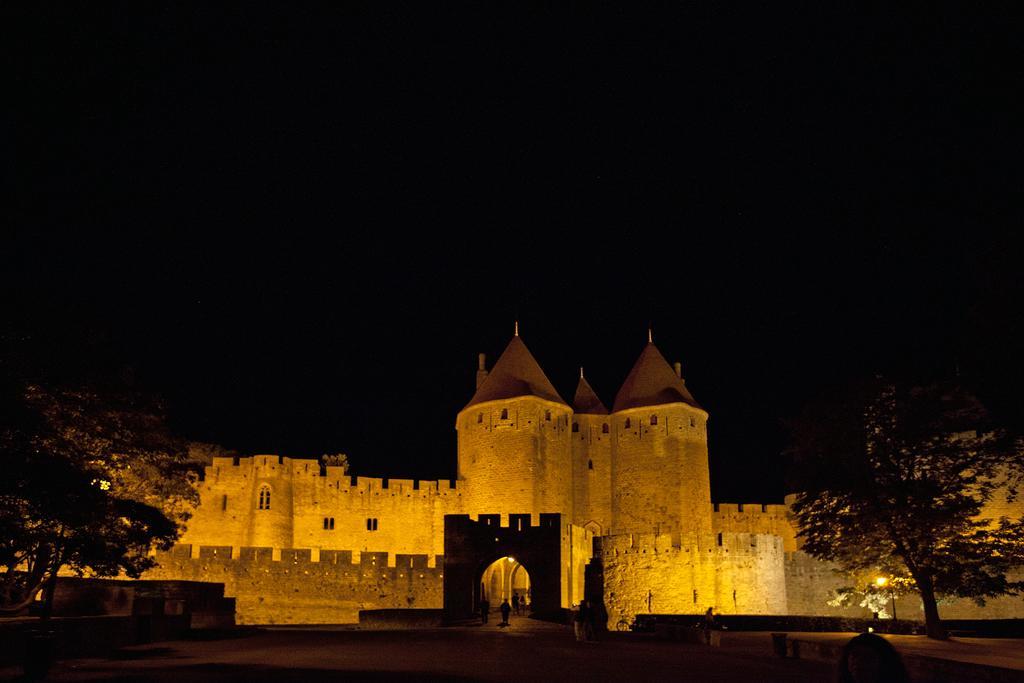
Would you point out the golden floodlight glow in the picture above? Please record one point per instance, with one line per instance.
(511, 559)
(881, 581)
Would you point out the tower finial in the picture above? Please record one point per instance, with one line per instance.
(581, 372)
(517, 328)
(650, 336)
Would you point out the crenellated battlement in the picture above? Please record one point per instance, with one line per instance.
(750, 508)
(757, 518)
(258, 556)
(268, 466)
(514, 521)
(723, 543)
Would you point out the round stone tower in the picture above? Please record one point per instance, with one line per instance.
(591, 460)
(514, 447)
(660, 476)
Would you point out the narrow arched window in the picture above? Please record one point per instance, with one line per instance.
(575, 426)
(264, 502)
(590, 464)
(479, 418)
(604, 428)
(504, 413)
(547, 415)
(654, 419)
(627, 423)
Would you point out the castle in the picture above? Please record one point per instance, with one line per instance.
(539, 479)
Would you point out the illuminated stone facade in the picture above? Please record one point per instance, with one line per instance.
(295, 542)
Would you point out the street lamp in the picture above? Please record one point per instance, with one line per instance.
(881, 581)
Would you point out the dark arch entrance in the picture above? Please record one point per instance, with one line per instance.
(471, 549)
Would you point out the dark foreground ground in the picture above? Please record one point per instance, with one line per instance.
(527, 651)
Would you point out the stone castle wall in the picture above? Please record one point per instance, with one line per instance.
(517, 457)
(812, 583)
(409, 514)
(647, 573)
(1003, 504)
(660, 476)
(755, 518)
(304, 586)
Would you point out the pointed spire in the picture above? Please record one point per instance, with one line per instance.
(481, 369)
(586, 400)
(650, 336)
(517, 329)
(652, 382)
(515, 374)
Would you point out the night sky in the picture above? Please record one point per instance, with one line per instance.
(300, 225)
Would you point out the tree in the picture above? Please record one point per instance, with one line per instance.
(334, 460)
(895, 480)
(875, 593)
(92, 483)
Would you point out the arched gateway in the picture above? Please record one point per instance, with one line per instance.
(548, 560)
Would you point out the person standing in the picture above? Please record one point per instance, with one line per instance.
(485, 610)
(588, 621)
(709, 624)
(505, 609)
(577, 622)
(515, 604)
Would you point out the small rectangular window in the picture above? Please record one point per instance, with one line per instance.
(604, 428)
(719, 539)
(654, 419)
(224, 502)
(504, 413)
(575, 427)
(739, 507)
(547, 415)
(371, 524)
(479, 418)
(332, 523)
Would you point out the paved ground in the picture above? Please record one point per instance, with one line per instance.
(527, 651)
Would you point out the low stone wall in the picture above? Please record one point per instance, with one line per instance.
(89, 636)
(204, 602)
(779, 622)
(298, 588)
(921, 669)
(390, 619)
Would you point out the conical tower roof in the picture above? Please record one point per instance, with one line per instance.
(586, 401)
(515, 374)
(652, 382)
